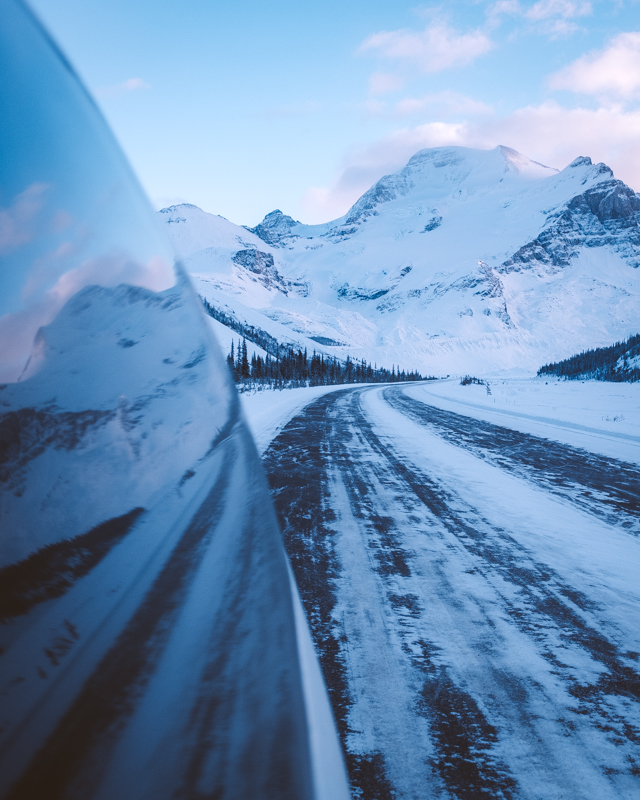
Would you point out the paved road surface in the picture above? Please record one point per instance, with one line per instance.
(474, 595)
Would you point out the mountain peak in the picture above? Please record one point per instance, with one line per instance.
(581, 161)
(596, 169)
(275, 227)
(517, 162)
(463, 259)
(179, 207)
(441, 170)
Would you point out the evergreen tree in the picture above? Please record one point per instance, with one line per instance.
(602, 363)
(238, 365)
(244, 361)
(231, 360)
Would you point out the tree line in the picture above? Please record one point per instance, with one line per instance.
(285, 366)
(256, 335)
(619, 362)
(294, 368)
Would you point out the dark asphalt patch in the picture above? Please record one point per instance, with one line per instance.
(296, 464)
(465, 740)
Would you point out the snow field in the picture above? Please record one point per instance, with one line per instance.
(437, 267)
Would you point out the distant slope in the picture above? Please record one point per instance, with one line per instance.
(620, 362)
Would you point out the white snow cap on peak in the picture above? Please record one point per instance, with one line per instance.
(517, 162)
(179, 207)
(454, 155)
(441, 170)
(463, 163)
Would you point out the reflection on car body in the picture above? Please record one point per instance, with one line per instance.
(149, 640)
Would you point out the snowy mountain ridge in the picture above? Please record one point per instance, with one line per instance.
(463, 260)
(151, 431)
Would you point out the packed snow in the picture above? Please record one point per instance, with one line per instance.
(475, 609)
(599, 416)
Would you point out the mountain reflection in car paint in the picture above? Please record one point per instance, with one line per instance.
(151, 637)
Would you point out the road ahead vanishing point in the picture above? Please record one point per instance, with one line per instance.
(474, 597)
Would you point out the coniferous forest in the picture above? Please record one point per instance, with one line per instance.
(287, 367)
(293, 368)
(619, 362)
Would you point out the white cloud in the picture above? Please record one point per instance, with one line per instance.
(565, 9)
(446, 104)
(612, 72)
(551, 17)
(556, 135)
(384, 82)
(436, 48)
(443, 105)
(365, 166)
(118, 89)
(18, 221)
(548, 133)
(511, 7)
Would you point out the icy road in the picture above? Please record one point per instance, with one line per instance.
(474, 596)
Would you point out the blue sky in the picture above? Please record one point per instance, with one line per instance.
(242, 107)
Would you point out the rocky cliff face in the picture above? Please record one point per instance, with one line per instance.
(276, 228)
(263, 268)
(606, 215)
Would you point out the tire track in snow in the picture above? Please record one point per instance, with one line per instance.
(603, 486)
(379, 549)
(541, 611)
(297, 464)
(547, 608)
(463, 742)
(311, 471)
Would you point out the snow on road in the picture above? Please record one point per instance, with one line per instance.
(268, 411)
(474, 606)
(596, 415)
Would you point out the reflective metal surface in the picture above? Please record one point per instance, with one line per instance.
(148, 641)
(71, 214)
(107, 369)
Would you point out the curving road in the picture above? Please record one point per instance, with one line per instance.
(473, 594)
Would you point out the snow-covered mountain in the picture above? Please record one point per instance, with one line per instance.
(67, 439)
(463, 260)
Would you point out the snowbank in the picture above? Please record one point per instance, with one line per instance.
(598, 416)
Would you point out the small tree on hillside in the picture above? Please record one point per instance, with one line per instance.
(244, 361)
(231, 360)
